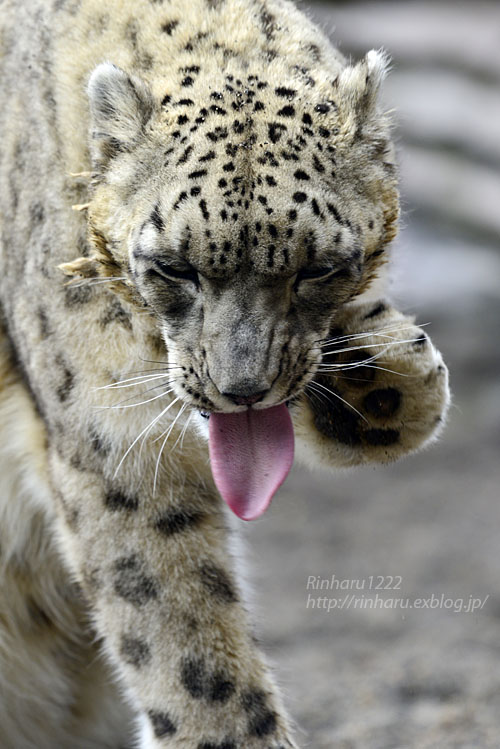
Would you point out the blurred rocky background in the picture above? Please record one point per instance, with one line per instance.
(361, 678)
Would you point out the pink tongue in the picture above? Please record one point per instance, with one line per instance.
(251, 454)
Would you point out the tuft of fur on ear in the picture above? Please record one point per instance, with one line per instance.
(120, 107)
(359, 84)
(100, 267)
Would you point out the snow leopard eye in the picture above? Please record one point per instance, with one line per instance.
(178, 275)
(326, 273)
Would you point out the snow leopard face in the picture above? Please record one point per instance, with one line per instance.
(244, 214)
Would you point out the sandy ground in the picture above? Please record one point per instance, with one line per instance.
(391, 677)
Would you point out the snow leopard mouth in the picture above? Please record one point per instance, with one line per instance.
(206, 414)
(251, 453)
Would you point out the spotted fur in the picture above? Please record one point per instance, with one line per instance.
(234, 194)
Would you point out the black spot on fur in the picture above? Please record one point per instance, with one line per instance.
(162, 724)
(382, 403)
(332, 209)
(135, 652)
(65, 388)
(116, 500)
(317, 164)
(169, 27)
(219, 688)
(176, 521)
(208, 156)
(182, 196)
(156, 218)
(114, 312)
(301, 174)
(377, 310)
(287, 111)
(197, 174)
(286, 93)
(315, 207)
(204, 211)
(322, 108)
(193, 677)
(421, 341)
(187, 81)
(217, 582)
(276, 130)
(262, 721)
(268, 22)
(37, 213)
(131, 583)
(185, 156)
(381, 437)
(44, 323)
(219, 133)
(299, 197)
(228, 744)
(199, 682)
(218, 110)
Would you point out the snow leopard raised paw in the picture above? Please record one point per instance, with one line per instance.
(381, 391)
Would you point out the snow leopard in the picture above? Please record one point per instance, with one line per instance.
(197, 206)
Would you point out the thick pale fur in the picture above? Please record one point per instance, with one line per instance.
(119, 571)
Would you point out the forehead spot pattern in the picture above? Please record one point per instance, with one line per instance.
(243, 192)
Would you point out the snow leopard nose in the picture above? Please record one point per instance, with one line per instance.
(246, 399)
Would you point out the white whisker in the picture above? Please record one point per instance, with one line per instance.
(94, 281)
(169, 432)
(368, 366)
(182, 433)
(350, 365)
(318, 395)
(152, 361)
(156, 370)
(318, 384)
(139, 380)
(379, 332)
(185, 428)
(145, 432)
(149, 400)
(394, 342)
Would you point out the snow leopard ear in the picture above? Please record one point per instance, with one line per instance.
(120, 107)
(359, 84)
